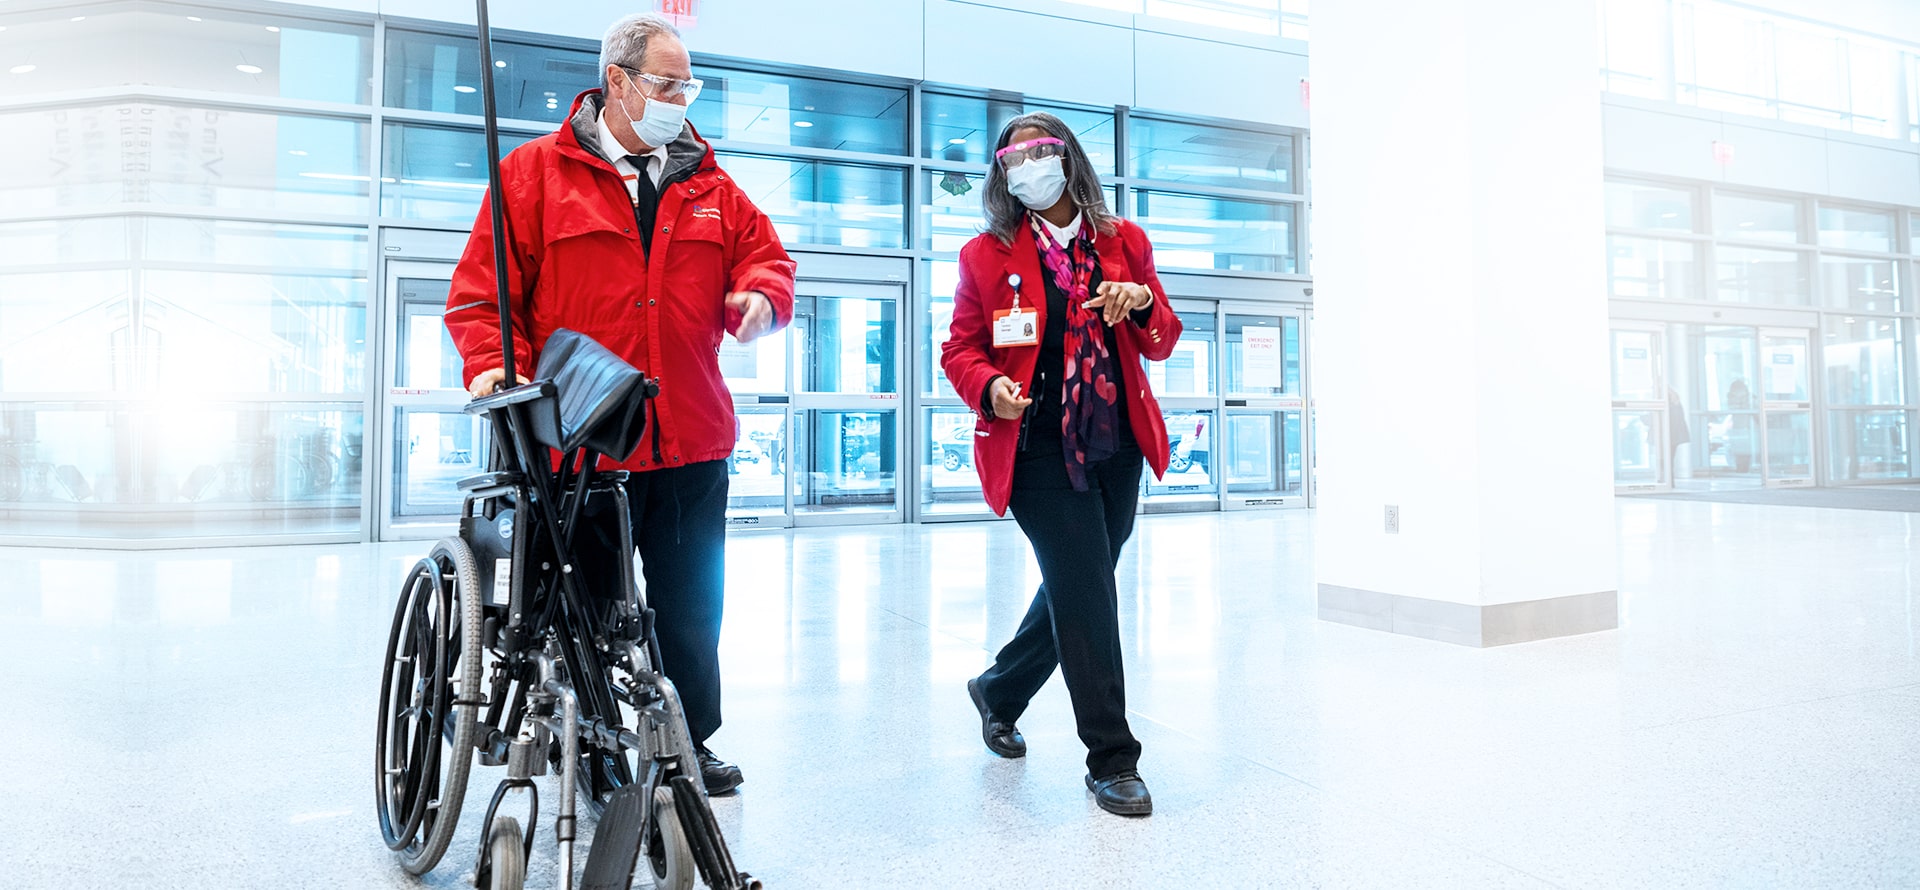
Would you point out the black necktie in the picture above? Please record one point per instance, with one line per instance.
(646, 202)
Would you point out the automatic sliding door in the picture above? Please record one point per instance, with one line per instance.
(846, 418)
(1640, 409)
(1265, 400)
(1786, 401)
(1187, 387)
(432, 443)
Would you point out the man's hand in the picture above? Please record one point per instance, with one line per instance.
(487, 382)
(1116, 299)
(1007, 404)
(756, 314)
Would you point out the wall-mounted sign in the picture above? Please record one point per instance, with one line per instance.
(682, 13)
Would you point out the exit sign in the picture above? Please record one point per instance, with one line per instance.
(683, 13)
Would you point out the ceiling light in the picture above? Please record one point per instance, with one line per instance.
(803, 124)
(502, 63)
(859, 197)
(956, 142)
(78, 18)
(298, 153)
(21, 69)
(809, 108)
(193, 18)
(247, 69)
(942, 114)
(462, 88)
(274, 28)
(463, 164)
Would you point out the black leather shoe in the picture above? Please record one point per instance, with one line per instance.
(1002, 738)
(718, 775)
(1122, 794)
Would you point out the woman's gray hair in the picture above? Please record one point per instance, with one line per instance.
(626, 42)
(1005, 213)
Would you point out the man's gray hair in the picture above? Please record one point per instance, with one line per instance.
(626, 42)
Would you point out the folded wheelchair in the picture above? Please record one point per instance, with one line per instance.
(499, 652)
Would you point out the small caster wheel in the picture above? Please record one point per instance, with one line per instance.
(506, 855)
(669, 857)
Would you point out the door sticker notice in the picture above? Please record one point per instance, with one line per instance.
(1260, 358)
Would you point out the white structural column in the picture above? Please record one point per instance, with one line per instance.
(1461, 320)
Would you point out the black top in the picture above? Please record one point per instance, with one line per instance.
(1041, 427)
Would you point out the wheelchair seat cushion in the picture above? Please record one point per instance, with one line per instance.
(599, 402)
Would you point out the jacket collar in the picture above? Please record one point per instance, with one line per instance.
(687, 154)
(1023, 259)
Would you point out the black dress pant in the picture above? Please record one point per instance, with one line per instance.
(1074, 621)
(679, 521)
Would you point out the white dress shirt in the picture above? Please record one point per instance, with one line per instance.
(656, 161)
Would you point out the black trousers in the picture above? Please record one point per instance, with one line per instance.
(1074, 621)
(679, 521)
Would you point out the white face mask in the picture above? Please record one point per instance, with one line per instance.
(661, 124)
(1038, 184)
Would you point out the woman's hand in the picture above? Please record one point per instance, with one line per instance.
(1007, 404)
(1117, 299)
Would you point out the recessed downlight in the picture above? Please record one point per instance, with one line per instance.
(462, 88)
(248, 69)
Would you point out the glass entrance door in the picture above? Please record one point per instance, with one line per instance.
(1786, 406)
(431, 443)
(1640, 408)
(817, 411)
(1263, 443)
(1187, 385)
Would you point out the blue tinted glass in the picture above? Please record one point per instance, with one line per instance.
(1192, 232)
(816, 202)
(965, 129)
(437, 72)
(1210, 155)
(772, 109)
(436, 172)
(236, 52)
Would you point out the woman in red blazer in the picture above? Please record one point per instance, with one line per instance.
(1056, 306)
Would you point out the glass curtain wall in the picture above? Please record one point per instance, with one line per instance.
(1734, 57)
(1728, 260)
(183, 283)
(191, 305)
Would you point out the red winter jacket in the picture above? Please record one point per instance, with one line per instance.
(577, 263)
(971, 360)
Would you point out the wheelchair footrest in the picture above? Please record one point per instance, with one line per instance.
(616, 843)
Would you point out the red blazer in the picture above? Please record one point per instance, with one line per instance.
(970, 359)
(577, 263)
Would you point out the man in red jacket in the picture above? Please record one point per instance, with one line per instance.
(623, 228)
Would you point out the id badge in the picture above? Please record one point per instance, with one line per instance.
(1015, 327)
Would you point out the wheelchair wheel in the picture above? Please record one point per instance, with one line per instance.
(428, 711)
(669, 856)
(506, 855)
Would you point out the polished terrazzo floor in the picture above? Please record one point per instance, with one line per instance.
(204, 718)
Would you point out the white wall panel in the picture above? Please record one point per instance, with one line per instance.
(1659, 143)
(1000, 48)
(1242, 83)
(1873, 173)
(1766, 158)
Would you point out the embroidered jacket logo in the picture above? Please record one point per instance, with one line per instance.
(712, 213)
